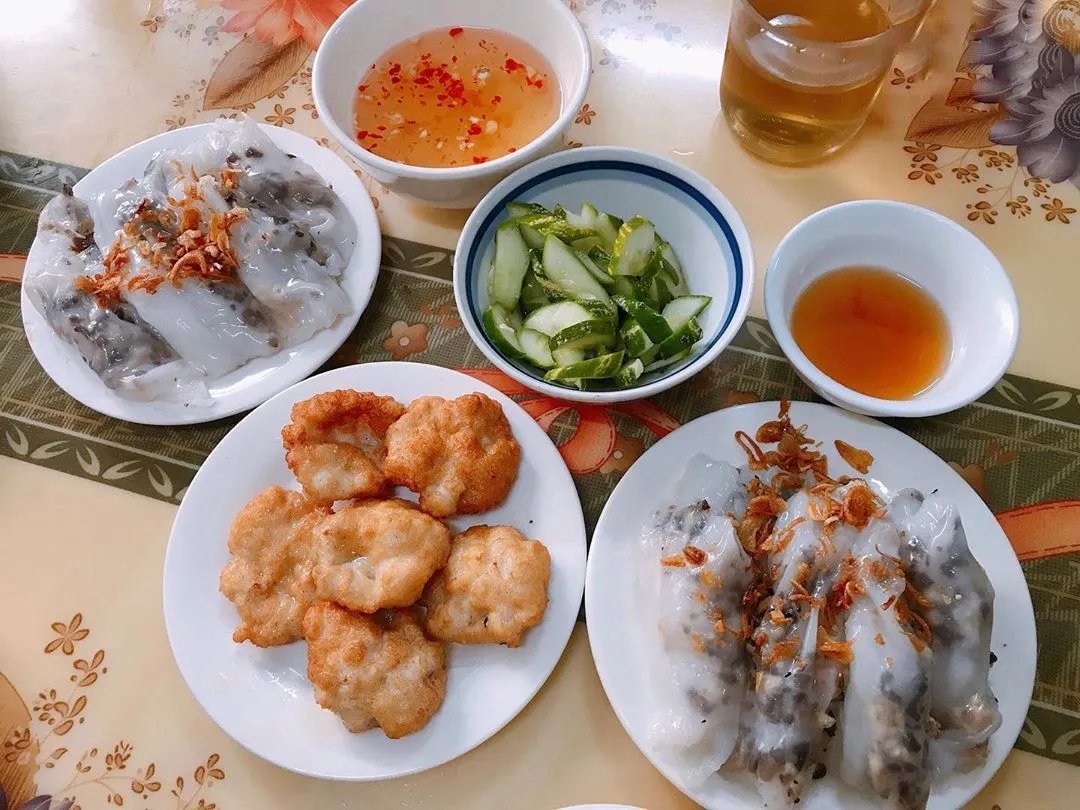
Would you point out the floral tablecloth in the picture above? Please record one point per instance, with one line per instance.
(92, 711)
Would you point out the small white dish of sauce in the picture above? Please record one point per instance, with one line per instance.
(934, 298)
(353, 85)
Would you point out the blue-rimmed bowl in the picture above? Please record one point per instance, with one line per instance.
(704, 229)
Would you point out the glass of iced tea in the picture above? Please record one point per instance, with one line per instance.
(800, 75)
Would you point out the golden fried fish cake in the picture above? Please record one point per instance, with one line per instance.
(378, 554)
(492, 590)
(335, 444)
(459, 454)
(374, 671)
(269, 577)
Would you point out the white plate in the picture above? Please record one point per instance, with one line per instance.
(899, 462)
(259, 379)
(262, 698)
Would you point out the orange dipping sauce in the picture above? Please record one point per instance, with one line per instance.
(873, 331)
(455, 97)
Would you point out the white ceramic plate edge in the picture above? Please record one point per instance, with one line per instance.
(755, 414)
(553, 467)
(268, 375)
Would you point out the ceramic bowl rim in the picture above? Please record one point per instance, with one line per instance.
(969, 387)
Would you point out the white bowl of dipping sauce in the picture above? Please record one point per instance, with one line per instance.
(950, 265)
(368, 29)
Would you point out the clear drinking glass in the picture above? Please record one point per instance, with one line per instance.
(800, 75)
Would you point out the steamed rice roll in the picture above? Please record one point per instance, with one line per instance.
(886, 721)
(702, 681)
(957, 601)
(126, 352)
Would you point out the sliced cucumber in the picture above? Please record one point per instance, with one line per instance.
(533, 238)
(607, 228)
(667, 362)
(681, 310)
(624, 285)
(595, 270)
(584, 335)
(517, 208)
(587, 217)
(600, 257)
(595, 368)
(536, 347)
(555, 317)
(633, 247)
(567, 357)
(563, 266)
(537, 291)
(651, 321)
(551, 225)
(673, 274)
(498, 326)
(681, 339)
(629, 373)
(509, 267)
(559, 211)
(634, 338)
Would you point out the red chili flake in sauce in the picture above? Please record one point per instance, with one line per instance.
(456, 32)
(363, 88)
(512, 65)
(362, 134)
(534, 82)
(479, 159)
(496, 100)
(381, 128)
(395, 69)
(475, 129)
(511, 149)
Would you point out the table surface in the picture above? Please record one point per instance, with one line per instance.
(91, 704)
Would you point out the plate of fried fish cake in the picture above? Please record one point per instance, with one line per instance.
(374, 571)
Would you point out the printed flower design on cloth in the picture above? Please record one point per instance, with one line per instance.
(975, 473)
(585, 115)
(67, 635)
(406, 340)
(446, 315)
(1018, 85)
(596, 445)
(279, 22)
(31, 779)
(627, 451)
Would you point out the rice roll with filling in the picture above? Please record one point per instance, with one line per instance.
(886, 721)
(956, 599)
(128, 355)
(703, 574)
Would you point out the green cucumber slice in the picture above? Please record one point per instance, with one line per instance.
(536, 348)
(584, 335)
(558, 316)
(518, 208)
(563, 266)
(629, 373)
(567, 357)
(509, 266)
(551, 225)
(635, 341)
(587, 217)
(673, 274)
(607, 228)
(682, 339)
(682, 309)
(632, 248)
(498, 326)
(595, 270)
(667, 362)
(533, 238)
(595, 368)
(651, 321)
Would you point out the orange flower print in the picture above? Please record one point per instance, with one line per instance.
(733, 396)
(627, 451)
(67, 635)
(596, 445)
(446, 315)
(1056, 209)
(279, 22)
(585, 115)
(406, 340)
(975, 475)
